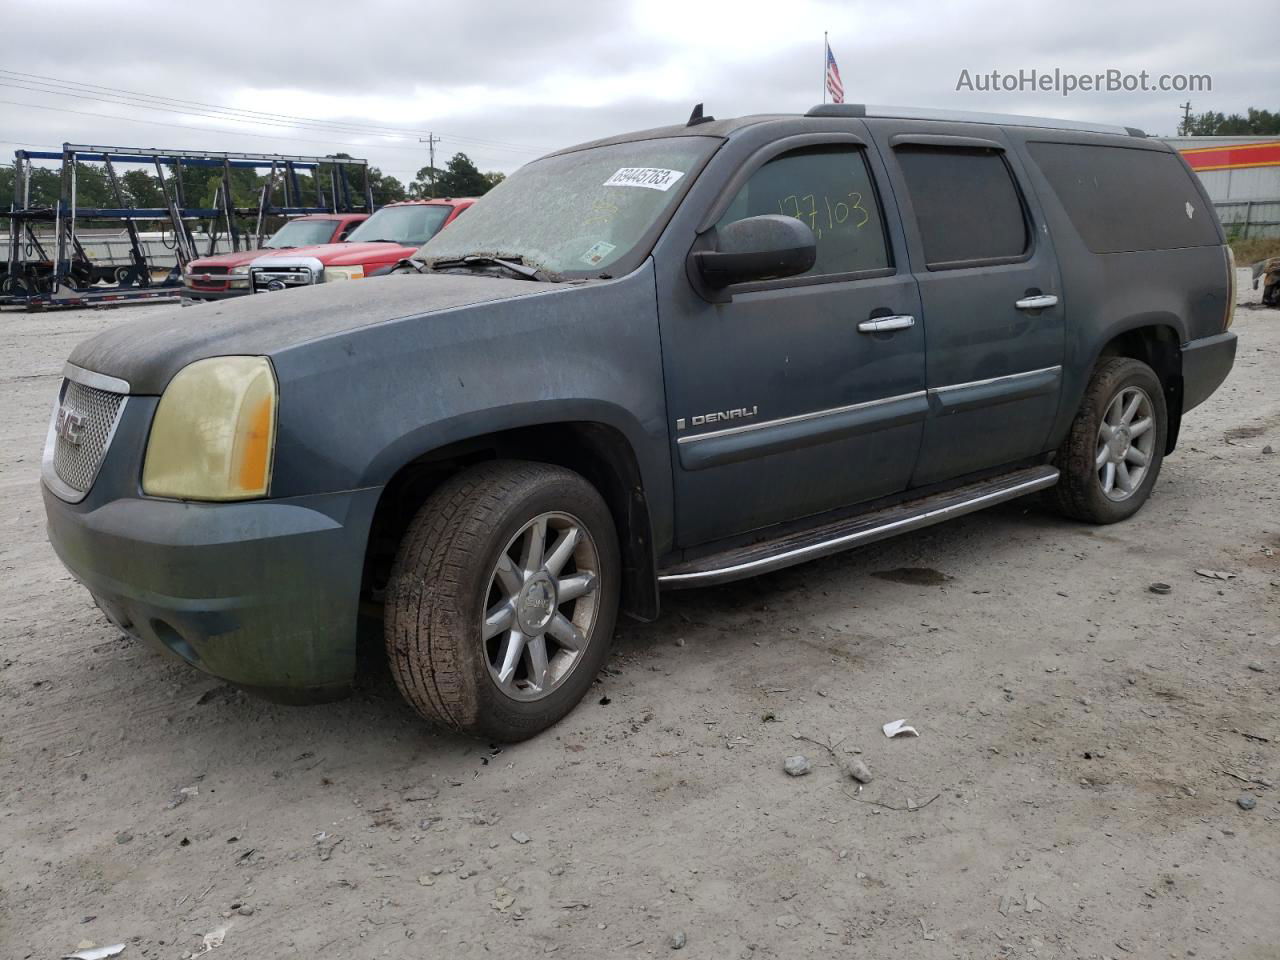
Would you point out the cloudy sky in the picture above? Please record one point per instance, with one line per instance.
(505, 81)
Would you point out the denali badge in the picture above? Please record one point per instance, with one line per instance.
(69, 425)
(739, 413)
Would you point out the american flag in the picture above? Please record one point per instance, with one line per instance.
(834, 86)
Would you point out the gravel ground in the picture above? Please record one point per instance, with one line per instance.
(1083, 743)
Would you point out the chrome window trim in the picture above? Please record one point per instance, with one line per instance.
(798, 418)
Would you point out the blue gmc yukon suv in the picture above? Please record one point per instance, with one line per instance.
(659, 360)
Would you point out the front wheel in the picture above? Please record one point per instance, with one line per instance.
(1112, 455)
(502, 600)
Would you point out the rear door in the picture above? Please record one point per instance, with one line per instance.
(990, 294)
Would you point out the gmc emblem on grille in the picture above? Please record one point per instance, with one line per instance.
(69, 425)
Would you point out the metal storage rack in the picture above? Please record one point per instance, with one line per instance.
(67, 276)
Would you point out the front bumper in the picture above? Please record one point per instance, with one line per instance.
(263, 594)
(1206, 362)
(196, 293)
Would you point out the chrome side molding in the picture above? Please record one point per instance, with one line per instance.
(856, 531)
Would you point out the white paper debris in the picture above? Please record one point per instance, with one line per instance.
(1216, 574)
(214, 938)
(899, 728)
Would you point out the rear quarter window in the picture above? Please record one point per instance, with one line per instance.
(1121, 199)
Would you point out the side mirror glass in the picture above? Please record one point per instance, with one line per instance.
(766, 247)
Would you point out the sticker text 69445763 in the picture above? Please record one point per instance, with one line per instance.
(654, 178)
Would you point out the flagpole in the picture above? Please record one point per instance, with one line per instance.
(825, 48)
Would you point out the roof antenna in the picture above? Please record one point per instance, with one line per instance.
(696, 117)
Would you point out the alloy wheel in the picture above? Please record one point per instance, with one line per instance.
(541, 606)
(1126, 443)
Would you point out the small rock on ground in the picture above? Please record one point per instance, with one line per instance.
(678, 940)
(858, 771)
(798, 765)
(1246, 801)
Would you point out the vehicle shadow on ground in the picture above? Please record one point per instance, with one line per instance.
(375, 713)
(854, 573)
(904, 559)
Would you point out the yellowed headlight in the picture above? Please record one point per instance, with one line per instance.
(343, 273)
(213, 436)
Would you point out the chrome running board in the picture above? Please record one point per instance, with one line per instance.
(757, 558)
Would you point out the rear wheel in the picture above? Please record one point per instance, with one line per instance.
(1113, 453)
(503, 598)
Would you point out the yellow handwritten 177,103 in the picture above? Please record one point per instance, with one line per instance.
(806, 208)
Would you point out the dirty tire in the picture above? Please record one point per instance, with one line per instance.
(1078, 493)
(439, 585)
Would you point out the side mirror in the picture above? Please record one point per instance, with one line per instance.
(766, 247)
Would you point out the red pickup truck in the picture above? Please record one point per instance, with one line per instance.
(389, 236)
(227, 275)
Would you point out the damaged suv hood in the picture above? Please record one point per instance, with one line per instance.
(146, 353)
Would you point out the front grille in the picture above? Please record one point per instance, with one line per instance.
(208, 278)
(207, 283)
(79, 448)
(279, 278)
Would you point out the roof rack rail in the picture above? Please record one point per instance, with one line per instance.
(860, 110)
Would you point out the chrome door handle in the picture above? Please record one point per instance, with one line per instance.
(1040, 302)
(884, 324)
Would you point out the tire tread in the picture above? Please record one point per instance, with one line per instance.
(1075, 495)
(425, 622)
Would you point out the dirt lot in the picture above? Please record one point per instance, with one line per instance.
(1083, 743)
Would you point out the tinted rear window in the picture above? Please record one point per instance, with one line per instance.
(1121, 199)
(966, 204)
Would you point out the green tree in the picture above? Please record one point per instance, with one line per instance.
(141, 189)
(459, 178)
(92, 189)
(44, 192)
(386, 188)
(1253, 123)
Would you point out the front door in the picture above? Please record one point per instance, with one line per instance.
(791, 399)
(990, 294)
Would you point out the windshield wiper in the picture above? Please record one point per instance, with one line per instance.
(384, 240)
(514, 263)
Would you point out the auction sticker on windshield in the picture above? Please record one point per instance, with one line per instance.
(655, 178)
(598, 251)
